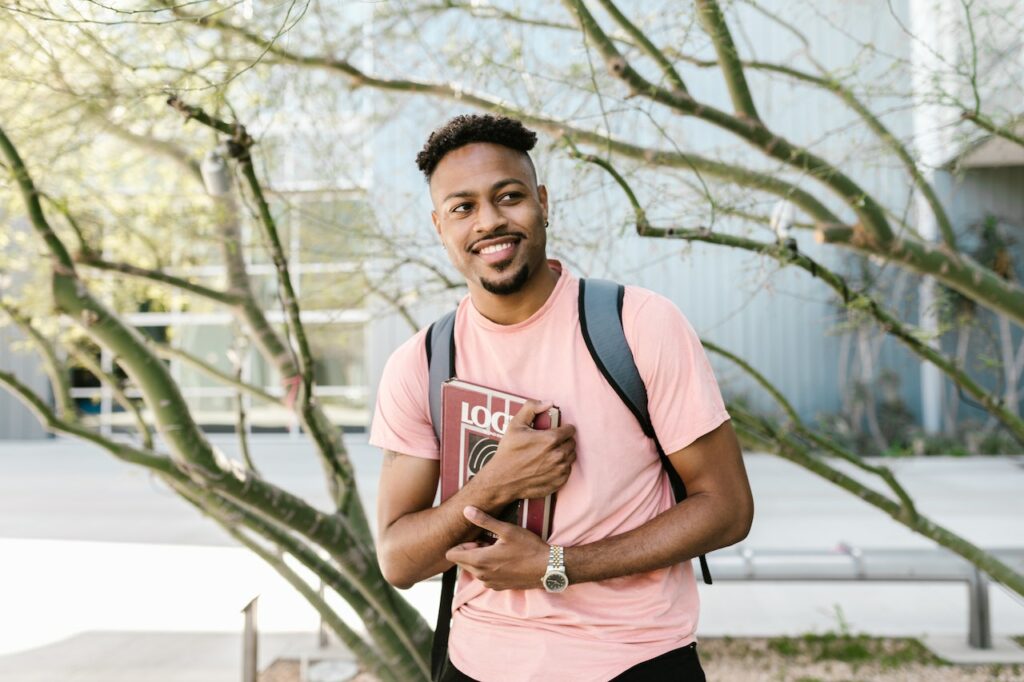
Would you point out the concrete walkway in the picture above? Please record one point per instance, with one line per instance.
(140, 656)
(99, 557)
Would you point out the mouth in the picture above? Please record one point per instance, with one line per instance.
(497, 250)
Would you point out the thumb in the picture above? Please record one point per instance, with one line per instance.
(486, 521)
(529, 411)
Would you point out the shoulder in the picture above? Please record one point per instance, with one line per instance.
(656, 328)
(408, 363)
(643, 308)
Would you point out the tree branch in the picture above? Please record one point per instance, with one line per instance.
(57, 373)
(168, 352)
(873, 122)
(652, 51)
(323, 432)
(954, 269)
(885, 473)
(713, 21)
(53, 423)
(93, 260)
(986, 123)
(769, 438)
(227, 516)
(749, 129)
(85, 359)
(736, 174)
(789, 254)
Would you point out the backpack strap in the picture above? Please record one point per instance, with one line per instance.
(440, 342)
(440, 363)
(600, 310)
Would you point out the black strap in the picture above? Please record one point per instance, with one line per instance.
(440, 342)
(439, 649)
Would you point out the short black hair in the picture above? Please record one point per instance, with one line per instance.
(470, 128)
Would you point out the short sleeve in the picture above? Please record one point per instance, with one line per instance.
(682, 394)
(401, 418)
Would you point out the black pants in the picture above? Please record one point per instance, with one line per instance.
(678, 665)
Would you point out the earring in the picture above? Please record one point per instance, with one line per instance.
(545, 223)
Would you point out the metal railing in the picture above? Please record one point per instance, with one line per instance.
(850, 564)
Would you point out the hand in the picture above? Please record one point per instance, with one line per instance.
(530, 463)
(517, 561)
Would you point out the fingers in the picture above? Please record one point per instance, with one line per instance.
(465, 546)
(461, 554)
(529, 411)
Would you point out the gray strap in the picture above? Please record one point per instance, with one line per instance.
(440, 363)
(600, 307)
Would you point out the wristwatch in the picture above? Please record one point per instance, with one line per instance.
(555, 579)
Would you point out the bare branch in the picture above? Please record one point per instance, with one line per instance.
(772, 439)
(652, 51)
(165, 351)
(954, 269)
(749, 129)
(826, 444)
(789, 254)
(713, 21)
(53, 423)
(93, 260)
(736, 174)
(55, 370)
(84, 358)
(983, 121)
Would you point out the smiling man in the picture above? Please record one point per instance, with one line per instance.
(620, 601)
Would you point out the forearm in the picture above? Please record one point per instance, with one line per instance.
(698, 525)
(413, 547)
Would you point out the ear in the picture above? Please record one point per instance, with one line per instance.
(542, 196)
(436, 221)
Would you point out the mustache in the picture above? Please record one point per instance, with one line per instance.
(497, 235)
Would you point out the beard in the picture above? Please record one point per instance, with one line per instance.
(509, 286)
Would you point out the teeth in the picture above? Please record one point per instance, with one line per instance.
(495, 248)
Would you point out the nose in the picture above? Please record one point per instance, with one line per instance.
(490, 217)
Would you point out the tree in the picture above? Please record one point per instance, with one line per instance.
(645, 107)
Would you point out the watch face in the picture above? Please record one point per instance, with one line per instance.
(555, 582)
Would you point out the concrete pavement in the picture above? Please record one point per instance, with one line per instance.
(92, 545)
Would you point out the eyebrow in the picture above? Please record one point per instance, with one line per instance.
(499, 184)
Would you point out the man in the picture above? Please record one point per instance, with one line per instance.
(630, 609)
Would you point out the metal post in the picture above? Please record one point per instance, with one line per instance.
(322, 640)
(249, 642)
(979, 634)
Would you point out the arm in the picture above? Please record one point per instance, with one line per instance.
(414, 536)
(717, 512)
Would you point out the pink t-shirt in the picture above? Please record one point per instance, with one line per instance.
(596, 630)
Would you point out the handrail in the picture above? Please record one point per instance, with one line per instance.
(849, 563)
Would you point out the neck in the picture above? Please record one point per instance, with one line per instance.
(514, 308)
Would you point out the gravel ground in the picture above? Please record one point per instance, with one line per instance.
(821, 658)
(813, 658)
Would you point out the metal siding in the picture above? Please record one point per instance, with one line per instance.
(16, 421)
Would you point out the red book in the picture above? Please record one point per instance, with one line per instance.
(473, 420)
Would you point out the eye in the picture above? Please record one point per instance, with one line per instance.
(461, 208)
(513, 196)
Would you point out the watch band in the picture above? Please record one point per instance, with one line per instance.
(556, 558)
(555, 579)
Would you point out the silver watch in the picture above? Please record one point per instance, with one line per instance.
(555, 580)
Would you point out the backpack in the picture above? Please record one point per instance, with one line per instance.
(600, 311)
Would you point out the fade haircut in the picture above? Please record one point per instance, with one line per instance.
(470, 128)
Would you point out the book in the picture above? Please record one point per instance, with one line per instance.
(473, 420)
